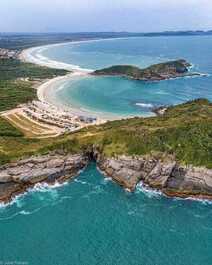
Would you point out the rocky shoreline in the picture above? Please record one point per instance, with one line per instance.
(16, 178)
(165, 175)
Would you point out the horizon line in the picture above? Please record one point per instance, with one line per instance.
(107, 32)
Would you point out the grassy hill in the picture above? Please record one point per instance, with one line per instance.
(13, 89)
(184, 131)
(154, 72)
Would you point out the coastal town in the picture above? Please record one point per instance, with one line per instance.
(8, 54)
(39, 119)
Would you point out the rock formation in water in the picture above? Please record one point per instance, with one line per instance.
(156, 72)
(15, 178)
(164, 175)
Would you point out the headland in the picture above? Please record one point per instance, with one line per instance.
(156, 151)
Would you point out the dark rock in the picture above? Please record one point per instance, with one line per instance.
(124, 170)
(9, 189)
(18, 176)
(164, 174)
(167, 176)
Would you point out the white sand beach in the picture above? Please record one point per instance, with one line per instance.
(46, 91)
(33, 55)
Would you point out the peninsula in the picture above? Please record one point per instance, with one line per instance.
(170, 152)
(156, 72)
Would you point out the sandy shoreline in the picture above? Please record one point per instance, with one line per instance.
(26, 55)
(45, 92)
(42, 91)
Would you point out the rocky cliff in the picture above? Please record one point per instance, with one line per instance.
(15, 178)
(165, 175)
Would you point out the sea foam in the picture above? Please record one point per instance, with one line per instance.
(141, 187)
(144, 105)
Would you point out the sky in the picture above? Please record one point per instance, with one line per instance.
(104, 15)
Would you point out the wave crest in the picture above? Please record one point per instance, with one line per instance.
(144, 105)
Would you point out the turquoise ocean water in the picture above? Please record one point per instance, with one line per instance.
(91, 220)
(94, 221)
(121, 96)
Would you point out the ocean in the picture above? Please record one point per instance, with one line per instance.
(124, 97)
(92, 220)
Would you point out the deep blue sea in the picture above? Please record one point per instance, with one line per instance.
(93, 221)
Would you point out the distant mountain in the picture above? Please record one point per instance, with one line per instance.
(178, 33)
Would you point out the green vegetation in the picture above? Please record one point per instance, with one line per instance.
(155, 72)
(184, 131)
(11, 69)
(13, 93)
(14, 146)
(8, 130)
(14, 89)
(20, 41)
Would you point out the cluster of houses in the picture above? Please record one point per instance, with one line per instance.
(43, 112)
(8, 54)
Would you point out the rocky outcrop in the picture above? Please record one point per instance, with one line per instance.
(160, 111)
(189, 181)
(15, 178)
(126, 171)
(165, 175)
(156, 72)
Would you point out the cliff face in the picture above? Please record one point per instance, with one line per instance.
(167, 176)
(164, 175)
(156, 72)
(15, 178)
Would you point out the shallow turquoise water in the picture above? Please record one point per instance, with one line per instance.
(94, 221)
(120, 96)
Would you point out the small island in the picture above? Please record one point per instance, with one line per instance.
(156, 72)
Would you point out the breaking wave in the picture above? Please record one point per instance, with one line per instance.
(144, 105)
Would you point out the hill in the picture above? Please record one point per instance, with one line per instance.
(156, 72)
(183, 131)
